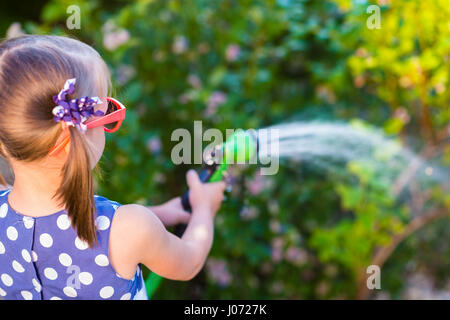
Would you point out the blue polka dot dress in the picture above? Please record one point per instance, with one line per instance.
(42, 258)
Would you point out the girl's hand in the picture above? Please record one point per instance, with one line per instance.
(171, 213)
(207, 196)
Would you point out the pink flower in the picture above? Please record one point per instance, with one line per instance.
(154, 144)
(14, 31)
(218, 272)
(326, 93)
(277, 254)
(232, 52)
(183, 98)
(258, 184)
(277, 287)
(114, 37)
(159, 177)
(277, 249)
(215, 100)
(194, 81)
(296, 255)
(402, 114)
(249, 213)
(275, 226)
(124, 74)
(278, 242)
(180, 45)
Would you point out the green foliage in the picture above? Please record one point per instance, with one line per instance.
(248, 64)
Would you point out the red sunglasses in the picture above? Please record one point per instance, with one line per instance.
(111, 122)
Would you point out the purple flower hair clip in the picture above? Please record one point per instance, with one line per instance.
(76, 111)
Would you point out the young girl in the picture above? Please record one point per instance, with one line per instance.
(58, 240)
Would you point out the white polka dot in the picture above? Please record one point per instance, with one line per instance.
(80, 244)
(63, 222)
(106, 292)
(28, 222)
(55, 298)
(50, 273)
(2, 248)
(7, 280)
(46, 240)
(27, 295)
(85, 278)
(102, 223)
(37, 285)
(2, 292)
(126, 296)
(17, 266)
(34, 255)
(12, 234)
(26, 255)
(3, 210)
(65, 259)
(115, 206)
(101, 260)
(70, 292)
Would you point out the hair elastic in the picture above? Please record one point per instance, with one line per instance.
(76, 111)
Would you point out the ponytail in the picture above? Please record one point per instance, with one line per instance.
(2, 180)
(76, 191)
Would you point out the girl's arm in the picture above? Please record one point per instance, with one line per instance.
(139, 236)
(171, 212)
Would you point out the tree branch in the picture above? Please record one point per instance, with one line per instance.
(383, 253)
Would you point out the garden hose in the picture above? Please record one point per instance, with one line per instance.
(240, 147)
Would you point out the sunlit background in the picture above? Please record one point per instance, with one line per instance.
(311, 231)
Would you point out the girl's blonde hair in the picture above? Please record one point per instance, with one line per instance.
(33, 69)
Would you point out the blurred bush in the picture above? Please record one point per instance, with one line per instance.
(248, 64)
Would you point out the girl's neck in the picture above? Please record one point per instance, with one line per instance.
(33, 190)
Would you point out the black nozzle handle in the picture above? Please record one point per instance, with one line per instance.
(204, 176)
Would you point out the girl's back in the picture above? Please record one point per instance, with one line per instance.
(43, 258)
